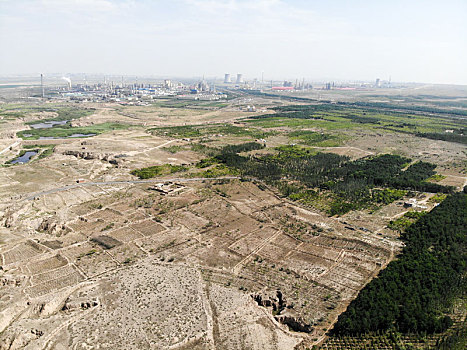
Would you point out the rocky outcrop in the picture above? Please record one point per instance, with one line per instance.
(91, 155)
(8, 219)
(78, 304)
(47, 225)
(294, 323)
(282, 311)
(88, 155)
(276, 301)
(51, 226)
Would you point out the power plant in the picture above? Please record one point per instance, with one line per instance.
(228, 79)
(68, 80)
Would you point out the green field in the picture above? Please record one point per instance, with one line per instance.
(339, 118)
(67, 131)
(157, 170)
(197, 131)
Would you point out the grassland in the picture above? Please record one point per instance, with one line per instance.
(197, 131)
(416, 293)
(317, 139)
(173, 149)
(67, 131)
(339, 118)
(170, 103)
(66, 113)
(42, 151)
(62, 111)
(157, 170)
(20, 154)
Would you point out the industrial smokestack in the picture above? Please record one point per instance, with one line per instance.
(68, 80)
(227, 78)
(42, 86)
(239, 78)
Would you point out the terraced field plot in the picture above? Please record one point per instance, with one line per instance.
(241, 251)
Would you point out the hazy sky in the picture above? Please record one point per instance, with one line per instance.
(409, 40)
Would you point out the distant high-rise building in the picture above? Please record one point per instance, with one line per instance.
(227, 78)
(239, 78)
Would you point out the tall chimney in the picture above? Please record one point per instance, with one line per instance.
(42, 85)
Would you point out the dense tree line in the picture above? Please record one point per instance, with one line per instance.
(282, 97)
(310, 112)
(242, 147)
(455, 341)
(450, 137)
(353, 183)
(426, 109)
(414, 290)
(294, 115)
(157, 170)
(325, 107)
(370, 107)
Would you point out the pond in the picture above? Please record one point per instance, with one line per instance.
(26, 157)
(48, 124)
(66, 137)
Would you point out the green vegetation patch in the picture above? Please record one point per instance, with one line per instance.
(185, 131)
(42, 150)
(217, 155)
(351, 185)
(455, 341)
(65, 113)
(387, 195)
(195, 104)
(173, 149)
(370, 116)
(216, 171)
(451, 137)
(11, 115)
(67, 131)
(401, 224)
(436, 178)
(196, 131)
(438, 198)
(22, 153)
(312, 138)
(158, 170)
(413, 293)
(206, 162)
(47, 152)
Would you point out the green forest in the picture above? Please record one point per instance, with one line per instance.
(377, 116)
(413, 293)
(302, 174)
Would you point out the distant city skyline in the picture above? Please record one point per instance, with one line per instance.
(410, 41)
